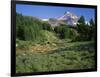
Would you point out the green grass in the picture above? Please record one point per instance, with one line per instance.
(67, 56)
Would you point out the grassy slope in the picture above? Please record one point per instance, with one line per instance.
(58, 55)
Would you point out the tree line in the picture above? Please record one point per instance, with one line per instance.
(29, 28)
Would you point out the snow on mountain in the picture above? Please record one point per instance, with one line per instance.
(68, 18)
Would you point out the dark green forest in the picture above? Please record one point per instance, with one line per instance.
(41, 47)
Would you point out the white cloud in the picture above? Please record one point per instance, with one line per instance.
(44, 19)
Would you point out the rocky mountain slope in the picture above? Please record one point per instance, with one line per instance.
(68, 19)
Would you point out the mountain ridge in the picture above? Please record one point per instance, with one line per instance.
(67, 18)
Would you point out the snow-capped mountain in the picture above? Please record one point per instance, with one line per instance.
(68, 18)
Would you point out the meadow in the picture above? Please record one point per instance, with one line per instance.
(42, 48)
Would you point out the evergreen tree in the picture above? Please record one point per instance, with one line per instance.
(28, 28)
(46, 26)
(81, 20)
(92, 22)
(83, 30)
(92, 26)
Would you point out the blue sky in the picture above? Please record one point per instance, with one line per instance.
(45, 12)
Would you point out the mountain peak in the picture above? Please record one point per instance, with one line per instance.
(67, 18)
